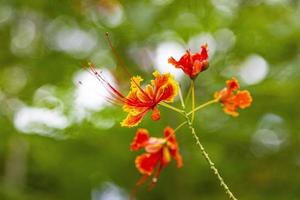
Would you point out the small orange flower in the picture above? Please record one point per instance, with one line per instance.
(192, 64)
(232, 98)
(159, 152)
(140, 101)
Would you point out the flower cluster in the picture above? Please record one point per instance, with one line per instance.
(232, 98)
(162, 91)
(159, 152)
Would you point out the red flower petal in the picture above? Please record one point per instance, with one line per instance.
(140, 140)
(173, 145)
(243, 99)
(192, 64)
(147, 162)
(232, 98)
(155, 114)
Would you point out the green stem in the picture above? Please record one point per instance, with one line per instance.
(207, 158)
(193, 100)
(202, 106)
(189, 93)
(171, 107)
(181, 98)
(179, 126)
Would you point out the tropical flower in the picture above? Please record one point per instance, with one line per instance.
(192, 64)
(232, 98)
(159, 153)
(139, 100)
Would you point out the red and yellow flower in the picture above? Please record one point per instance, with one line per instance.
(159, 153)
(232, 98)
(192, 64)
(141, 100)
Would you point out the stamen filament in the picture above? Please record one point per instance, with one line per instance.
(123, 65)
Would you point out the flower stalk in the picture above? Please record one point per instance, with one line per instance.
(199, 144)
(202, 106)
(207, 158)
(193, 100)
(171, 107)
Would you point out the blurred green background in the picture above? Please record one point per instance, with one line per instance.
(60, 140)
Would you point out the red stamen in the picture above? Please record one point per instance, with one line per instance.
(155, 177)
(123, 65)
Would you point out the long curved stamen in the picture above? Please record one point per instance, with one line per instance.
(112, 90)
(123, 65)
(155, 177)
(94, 73)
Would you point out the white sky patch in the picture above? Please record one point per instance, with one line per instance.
(163, 52)
(23, 36)
(254, 69)
(225, 39)
(109, 192)
(45, 97)
(75, 41)
(197, 41)
(268, 138)
(90, 94)
(227, 7)
(270, 135)
(111, 15)
(39, 120)
(63, 34)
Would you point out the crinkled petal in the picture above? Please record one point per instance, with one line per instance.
(155, 114)
(154, 145)
(192, 64)
(140, 140)
(135, 83)
(232, 99)
(134, 120)
(147, 162)
(166, 156)
(166, 88)
(138, 101)
(243, 99)
(232, 84)
(231, 112)
(173, 145)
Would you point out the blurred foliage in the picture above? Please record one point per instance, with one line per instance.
(43, 46)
